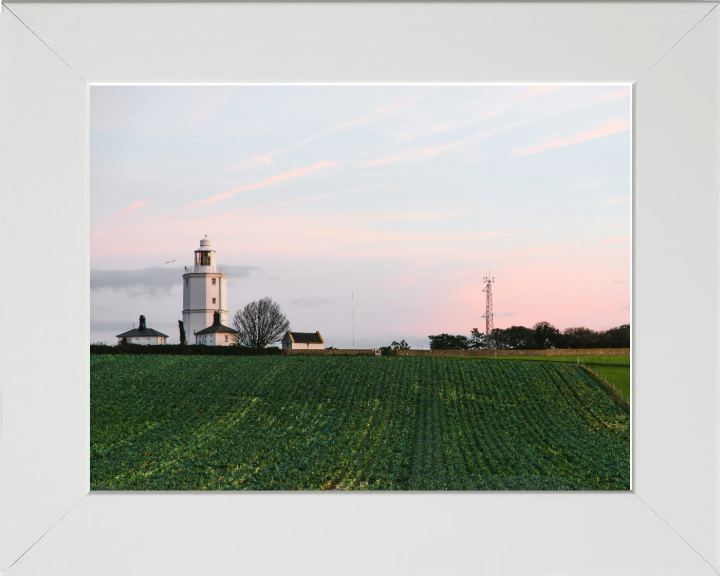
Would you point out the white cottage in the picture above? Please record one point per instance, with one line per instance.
(302, 341)
(143, 335)
(216, 335)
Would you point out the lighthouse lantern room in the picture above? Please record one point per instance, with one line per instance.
(204, 291)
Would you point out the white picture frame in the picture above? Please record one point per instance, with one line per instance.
(50, 523)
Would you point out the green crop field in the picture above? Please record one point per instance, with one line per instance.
(615, 360)
(342, 422)
(618, 376)
(613, 368)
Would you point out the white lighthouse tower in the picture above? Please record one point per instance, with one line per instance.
(204, 291)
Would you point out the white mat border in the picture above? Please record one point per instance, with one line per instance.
(52, 43)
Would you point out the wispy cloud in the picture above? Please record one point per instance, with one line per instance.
(606, 129)
(519, 253)
(376, 114)
(426, 152)
(404, 216)
(154, 282)
(341, 234)
(259, 161)
(423, 264)
(465, 143)
(265, 158)
(131, 208)
(478, 112)
(268, 181)
(524, 95)
(298, 200)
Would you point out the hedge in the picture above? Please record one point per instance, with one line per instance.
(180, 349)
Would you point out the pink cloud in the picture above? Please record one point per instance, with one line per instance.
(273, 180)
(131, 208)
(256, 162)
(608, 128)
(522, 252)
(294, 201)
(330, 233)
(429, 152)
(517, 98)
(375, 113)
(403, 217)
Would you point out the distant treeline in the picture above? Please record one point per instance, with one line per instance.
(181, 349)
(542, 336)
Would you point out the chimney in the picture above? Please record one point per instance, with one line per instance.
(216, 318)
(142, 323)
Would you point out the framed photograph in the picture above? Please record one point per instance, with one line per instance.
(339, 329)
(58, 57)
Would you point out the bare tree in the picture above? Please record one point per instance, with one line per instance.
(260, 324)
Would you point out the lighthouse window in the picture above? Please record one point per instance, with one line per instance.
(202, 259)
(214, 300)
(186, 282)
(214, 281)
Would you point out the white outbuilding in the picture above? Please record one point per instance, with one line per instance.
(143, 335)
(302, 341)
(216, 335)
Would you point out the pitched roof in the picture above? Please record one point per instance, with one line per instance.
(138, 332)
(215, 328)
(305, 337)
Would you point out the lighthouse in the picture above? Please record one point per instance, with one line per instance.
(204, 291)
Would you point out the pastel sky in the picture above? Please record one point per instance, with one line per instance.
(404, 196)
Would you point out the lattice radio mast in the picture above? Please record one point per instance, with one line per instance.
(488, 303)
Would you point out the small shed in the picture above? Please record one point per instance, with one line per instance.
(302, 341)
(216, 335)
(143, 335)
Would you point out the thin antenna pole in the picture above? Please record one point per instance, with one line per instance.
(488, 280)
(352, 307)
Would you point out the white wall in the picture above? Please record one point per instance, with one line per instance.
(303, 346)
(198, 305)
(220, 339)
(152, 340)
(216, 339)
(288, 344)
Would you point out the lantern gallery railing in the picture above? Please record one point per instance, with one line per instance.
(205, 269)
